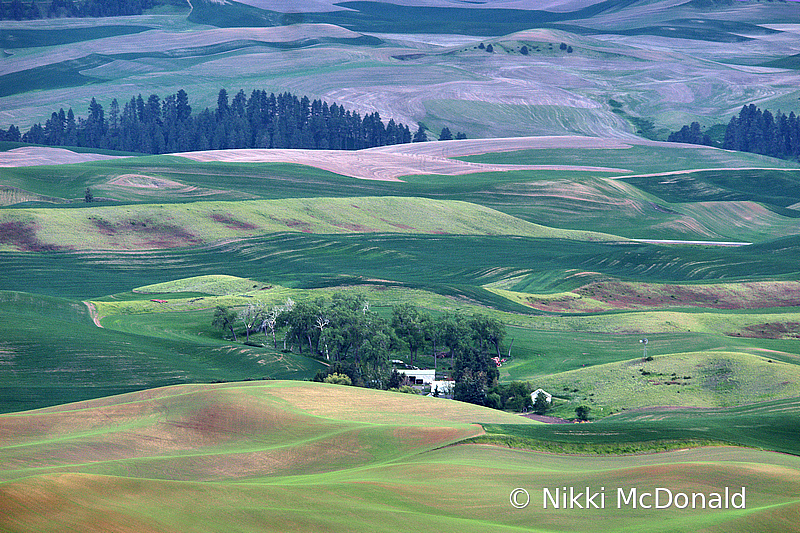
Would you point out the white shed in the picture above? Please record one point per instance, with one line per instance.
(547, 395)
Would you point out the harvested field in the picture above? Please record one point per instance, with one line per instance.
(38, 155)
(384, 163)
(159, 40)
(695, 379)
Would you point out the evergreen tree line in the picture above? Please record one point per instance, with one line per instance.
(17, 10)
(762, 133)
(156, 126)
(357, 342)
(754, 131)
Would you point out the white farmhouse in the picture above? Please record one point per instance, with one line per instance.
(420, 377)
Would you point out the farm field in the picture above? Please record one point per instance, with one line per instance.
(564, 216)
(259, 455)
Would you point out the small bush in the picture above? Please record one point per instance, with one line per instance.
(493, 400)
(338, 379)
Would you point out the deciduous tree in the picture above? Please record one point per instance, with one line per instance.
(225, 318)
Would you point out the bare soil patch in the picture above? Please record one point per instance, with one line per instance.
(232, 223)
(755, 295)
(605, 295)
(148, 233)
(22, 235)
(398, 226)
(93, 314)
(547, 419)
(770, 330)
(354, 227)
(304, 227)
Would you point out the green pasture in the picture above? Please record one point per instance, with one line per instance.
(218, 285)
(11, 38)
(695, 379)
(579, 358)
(127, 426)
(765, 425)
(771, 187)
(163, 334)
(53, 353)
(257, 180)
(638, 159)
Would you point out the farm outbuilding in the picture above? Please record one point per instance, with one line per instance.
(537, 392)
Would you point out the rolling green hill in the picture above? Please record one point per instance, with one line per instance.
(154, 226)
(766, 425)
(258, 455)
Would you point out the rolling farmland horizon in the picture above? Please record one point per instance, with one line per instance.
(202, 301)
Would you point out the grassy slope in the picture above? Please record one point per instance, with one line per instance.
(765, 425)
(692, 206)
(135, 227)
(260, 456)
(53, 353)
(705, 379)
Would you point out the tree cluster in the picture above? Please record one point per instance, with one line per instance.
(12, 134)
(17, 10)
(447, 135)
(754, 131)
(357, 342)
(155, 126)
(691, 135)
(764, 133)
(515, 396)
